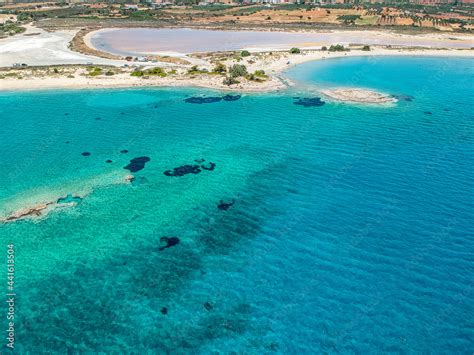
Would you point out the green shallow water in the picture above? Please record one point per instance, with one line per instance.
(351, 229)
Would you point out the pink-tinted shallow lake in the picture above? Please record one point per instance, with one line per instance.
(136, 41)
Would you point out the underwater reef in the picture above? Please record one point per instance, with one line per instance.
(309, 101)
(211, 166)
(408, 98)
(183, 170)
(224, 206)
(211, 99)
(202, 100)
(69, 199)
(137, 164)
(231, 97)
(190, 169)
(169, 242)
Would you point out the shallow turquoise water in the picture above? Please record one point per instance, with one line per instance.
(351, 230)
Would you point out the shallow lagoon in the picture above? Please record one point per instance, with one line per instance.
(139, 41)
(349, 231)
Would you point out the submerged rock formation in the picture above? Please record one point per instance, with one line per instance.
(202, 100)
(190, 169)
(42, 209)
(231, 97)
(210, 167)
(408, 98)
(309, 101)
(69, 198)
(211, 99)
(169, 241)
(34, 211)
(224, 206)
(183, 170)
(137, 164)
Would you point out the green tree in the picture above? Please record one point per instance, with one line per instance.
(237, 70)
(245, 54)
(337, 48)
(295, 50)
(229, 80)
(219, 68)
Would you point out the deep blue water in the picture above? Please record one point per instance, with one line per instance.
(351, 231)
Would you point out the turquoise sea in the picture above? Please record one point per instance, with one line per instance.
(351, 228)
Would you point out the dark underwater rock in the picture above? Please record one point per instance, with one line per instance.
(69, 199)
(85, 154)
(309, 101)
(428, 113)
(108, 161)
(202, 100)
(124, 151)
(199, 160)
(164, 310)
(207, 306)
(272, 347)
(137, 164)
(97, 118)
(170, 242)
(211, 167)
(183, 170)
(403, 97)
(67, 142)
(231, 97)
(224, 206)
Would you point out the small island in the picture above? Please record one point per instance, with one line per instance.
(358, 96)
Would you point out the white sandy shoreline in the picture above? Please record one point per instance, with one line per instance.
(273, 66)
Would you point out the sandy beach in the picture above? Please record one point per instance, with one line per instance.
(125, 80)
(274, 66)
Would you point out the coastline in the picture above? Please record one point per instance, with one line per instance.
(127, 81)
(63, 60)
(274, 65)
